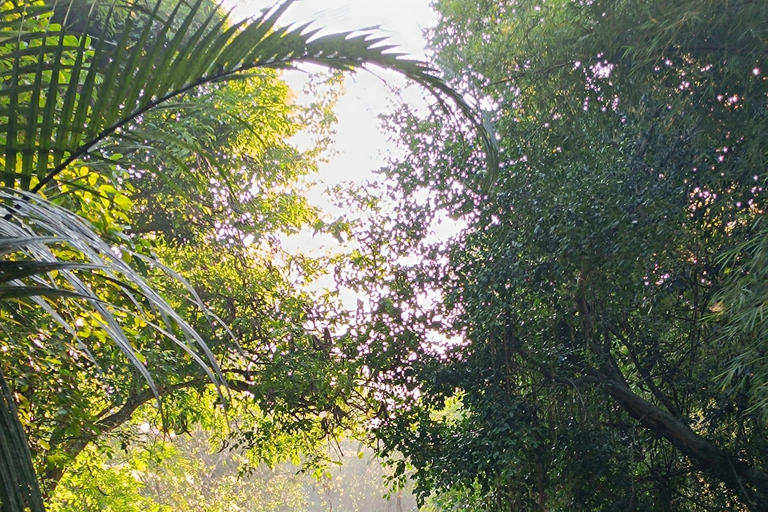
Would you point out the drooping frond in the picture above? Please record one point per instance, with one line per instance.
(54, 259)
(70, 83)
(19, 489)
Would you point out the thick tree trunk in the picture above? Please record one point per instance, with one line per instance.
(749, 483)
(744, 480)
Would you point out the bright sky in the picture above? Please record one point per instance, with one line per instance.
(359, 141)
(360, 146)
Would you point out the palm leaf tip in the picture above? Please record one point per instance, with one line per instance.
(350, 50)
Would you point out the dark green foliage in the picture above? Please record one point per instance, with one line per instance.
(606, 287)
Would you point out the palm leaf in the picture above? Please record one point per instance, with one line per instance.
(19, 489)
(74, 91)
(37, 234)
(63, 94)
(34, 237)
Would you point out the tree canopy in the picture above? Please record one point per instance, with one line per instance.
(590, 336)
(601, 306)
(147, 178)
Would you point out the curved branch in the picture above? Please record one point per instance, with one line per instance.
(73, 447)
(746, 481)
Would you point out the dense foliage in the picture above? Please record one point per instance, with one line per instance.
(596, 330)
(591, 335)
(183, 475)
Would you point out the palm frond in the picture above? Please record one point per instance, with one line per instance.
(62, 94)
(19, 489)
(68, 88)
(53, 258)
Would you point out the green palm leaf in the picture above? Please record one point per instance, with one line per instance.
(38, 233)
(65, 93)
(18, 485)
(35, 238)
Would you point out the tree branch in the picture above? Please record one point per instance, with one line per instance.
(73, 447)
(644, 373)
(744, 480)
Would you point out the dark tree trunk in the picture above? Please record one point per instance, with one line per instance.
(744, 480)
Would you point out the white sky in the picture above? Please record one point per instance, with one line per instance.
(360, 146)
(402, 19)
